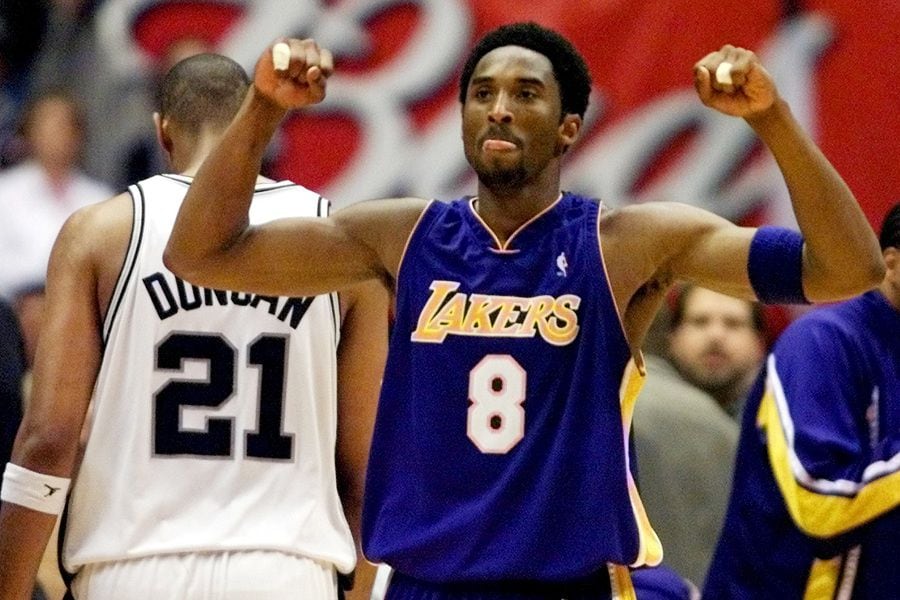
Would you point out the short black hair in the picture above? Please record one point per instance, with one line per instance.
(890, 229)
(203, 90)
(569, 68)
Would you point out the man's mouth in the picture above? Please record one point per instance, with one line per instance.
(715, 358)
(497, 145)
(498, 139)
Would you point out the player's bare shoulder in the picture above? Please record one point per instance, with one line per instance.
(648, 217)
(383, 226)
(95, 238)
(632, 233)
(101, 229)
(654, 230)
(639, 241)
(86, 229)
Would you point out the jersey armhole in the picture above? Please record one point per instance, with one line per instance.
(639, 356)
(130, 260)
(423, 222)
(334, 298)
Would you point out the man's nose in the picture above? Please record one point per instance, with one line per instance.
(718, 331)
(500, 112)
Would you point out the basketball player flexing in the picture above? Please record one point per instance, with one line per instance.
(209, 465)
(499, 464)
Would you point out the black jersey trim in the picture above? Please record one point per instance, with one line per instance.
(179, 178)
(66, 576)
(324, 210)
(260, 187)
(130, 260)
(335, 300)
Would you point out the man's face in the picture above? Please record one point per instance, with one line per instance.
(891, 284)
(511, 117)
(716, 345)
(53, 135)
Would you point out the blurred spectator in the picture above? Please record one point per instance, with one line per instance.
(717, 343)
(22, 27)
(684, 439)
(12, 373)
(115, 102)
(37, 195)
(815, 505)
(12, 370)
(67, 38)
(69, 51)
(685, 448)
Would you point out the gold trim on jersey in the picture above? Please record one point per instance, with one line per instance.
(823, 579)
(409, 238)
(620, 582)
(650, 550)
(820, 508)
(499, 246)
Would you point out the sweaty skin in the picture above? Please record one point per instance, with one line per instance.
(515, 140)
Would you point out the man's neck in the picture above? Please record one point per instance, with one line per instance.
(505, 214)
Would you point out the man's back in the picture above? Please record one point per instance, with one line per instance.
(209, 406)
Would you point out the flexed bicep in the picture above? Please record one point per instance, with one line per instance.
(679, 242)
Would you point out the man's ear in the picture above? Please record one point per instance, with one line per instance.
(162, 135)
(569, 130)
(891, 258)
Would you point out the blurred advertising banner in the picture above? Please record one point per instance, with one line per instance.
(390, 125)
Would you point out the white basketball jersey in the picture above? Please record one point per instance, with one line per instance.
(214, 413)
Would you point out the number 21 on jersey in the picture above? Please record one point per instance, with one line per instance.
(267, 353)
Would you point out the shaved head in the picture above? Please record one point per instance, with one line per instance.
(204, 90)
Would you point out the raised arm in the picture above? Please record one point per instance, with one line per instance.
(841, 256)
(212, 243)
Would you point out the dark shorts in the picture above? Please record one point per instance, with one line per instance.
(595, 587)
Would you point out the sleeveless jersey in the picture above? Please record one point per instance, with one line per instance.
(501, 443)
(214, 412)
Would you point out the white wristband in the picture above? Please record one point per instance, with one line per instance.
(37, 491)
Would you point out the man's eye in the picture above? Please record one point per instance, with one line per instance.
(482, 94)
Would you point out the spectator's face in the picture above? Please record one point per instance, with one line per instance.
(716, 345)
(891, 284)
(53, 134)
